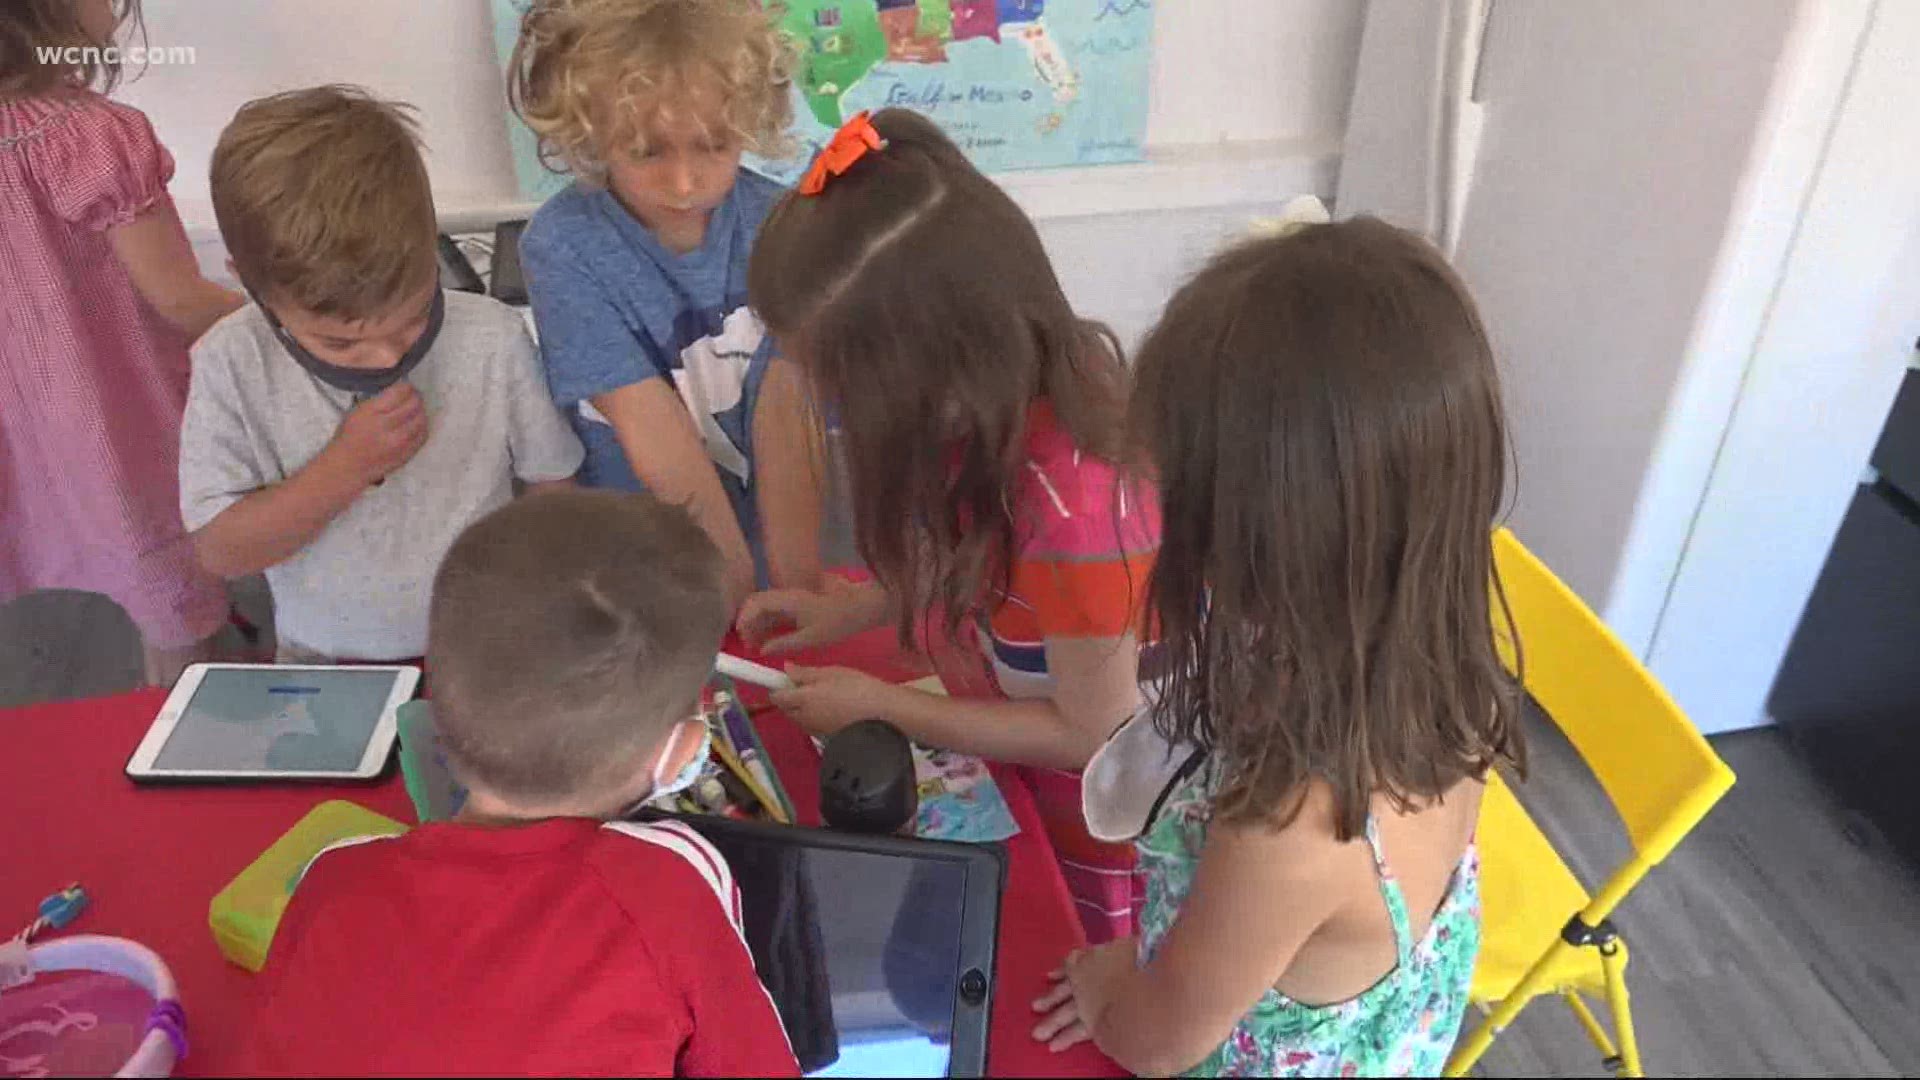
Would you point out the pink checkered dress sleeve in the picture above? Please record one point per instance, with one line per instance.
(105, 169)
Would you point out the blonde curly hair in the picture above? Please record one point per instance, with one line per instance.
(586, 73)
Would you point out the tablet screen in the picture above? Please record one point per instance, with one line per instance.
(277, 720)
(861, 952)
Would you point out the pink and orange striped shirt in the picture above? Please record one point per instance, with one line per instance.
(1086, 537)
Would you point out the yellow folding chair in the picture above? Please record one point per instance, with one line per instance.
(1542, 933)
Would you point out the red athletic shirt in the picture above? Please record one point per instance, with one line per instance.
(562, 947)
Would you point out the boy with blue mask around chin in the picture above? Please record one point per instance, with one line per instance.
(571, 635)
(344, 427)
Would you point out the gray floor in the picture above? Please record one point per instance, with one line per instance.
(1779, 938)
(1774, 941)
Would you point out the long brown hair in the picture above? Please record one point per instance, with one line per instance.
(1324, 414)
(920, 302)
(27, 26)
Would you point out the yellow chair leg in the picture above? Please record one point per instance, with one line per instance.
(1598, 1034)
(1613, 961)
(1470, 1048)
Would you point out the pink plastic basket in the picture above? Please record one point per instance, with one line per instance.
(95, 1006)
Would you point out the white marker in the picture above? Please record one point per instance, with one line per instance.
(747, 671)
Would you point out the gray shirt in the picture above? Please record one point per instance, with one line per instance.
(359, 591)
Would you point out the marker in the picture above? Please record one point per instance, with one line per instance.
(752, 785)
(747, 671)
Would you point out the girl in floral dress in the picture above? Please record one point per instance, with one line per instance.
(1324, 419)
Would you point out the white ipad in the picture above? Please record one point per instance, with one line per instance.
(235, 722)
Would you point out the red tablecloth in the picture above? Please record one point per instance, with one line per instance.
(151, 858)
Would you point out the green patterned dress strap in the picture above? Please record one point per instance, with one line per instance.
(1391, 892)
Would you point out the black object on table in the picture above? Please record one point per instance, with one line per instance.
(866, 779)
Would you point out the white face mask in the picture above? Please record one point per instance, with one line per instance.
(688, 774)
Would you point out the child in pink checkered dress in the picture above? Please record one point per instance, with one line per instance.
(103, 295)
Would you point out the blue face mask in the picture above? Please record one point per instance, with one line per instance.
(362, 383)
(696, 766)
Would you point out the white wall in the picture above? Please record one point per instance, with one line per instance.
(1833, 348)
(1122, 269)
(1794, 132)
(1397, 129)
(1273, 72)
(1616, 136)
(1252, 70)
(436, 54)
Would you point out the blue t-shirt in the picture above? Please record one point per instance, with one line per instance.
(614, 308)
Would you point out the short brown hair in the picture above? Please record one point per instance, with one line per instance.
(323, 201)
(919, 300)
(574, 58)
(568, 632)
(27, 26)
(1324, 415)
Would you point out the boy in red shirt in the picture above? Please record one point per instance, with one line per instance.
(569, 637)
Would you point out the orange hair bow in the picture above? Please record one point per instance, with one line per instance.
(852, 142)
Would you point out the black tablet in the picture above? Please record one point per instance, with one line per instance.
(878, 951)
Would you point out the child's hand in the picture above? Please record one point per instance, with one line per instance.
(787, 620)
(1062, 1026)
(381, 434)
(824, 700)
(1083, 989)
